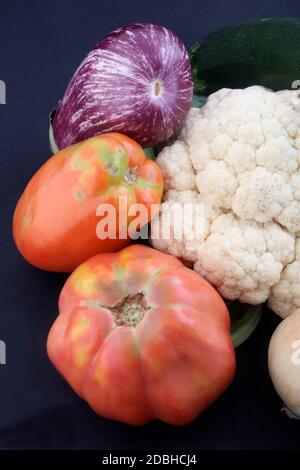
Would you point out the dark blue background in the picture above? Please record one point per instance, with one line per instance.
(41, 44)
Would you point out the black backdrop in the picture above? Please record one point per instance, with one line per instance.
(41, 43)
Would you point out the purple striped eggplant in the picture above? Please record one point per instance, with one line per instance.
(137, 81)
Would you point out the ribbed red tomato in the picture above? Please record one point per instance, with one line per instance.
(140, 336)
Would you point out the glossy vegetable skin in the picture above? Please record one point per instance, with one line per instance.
(140, 336)
(55, 219)
(137, 81)
(261, 52)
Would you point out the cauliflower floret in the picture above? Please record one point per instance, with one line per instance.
(290, 217)
(184, 219)
(285, 295)
(267, 201)
(175, 161)
(237, 160)
(254, 255)
(217, 184)
(279, 153)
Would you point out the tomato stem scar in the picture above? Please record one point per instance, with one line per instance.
(130, 311)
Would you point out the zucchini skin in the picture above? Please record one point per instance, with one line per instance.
(263, 52)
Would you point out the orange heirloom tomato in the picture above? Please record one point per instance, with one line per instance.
(140, 336)
(55, 220)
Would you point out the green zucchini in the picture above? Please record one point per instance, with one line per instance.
(263, 52)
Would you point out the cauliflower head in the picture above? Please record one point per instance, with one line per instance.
(237, 160)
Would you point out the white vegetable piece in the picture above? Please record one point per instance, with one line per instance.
(284, 363)
(239, 158)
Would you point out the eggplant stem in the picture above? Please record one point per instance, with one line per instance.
(53, 146)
